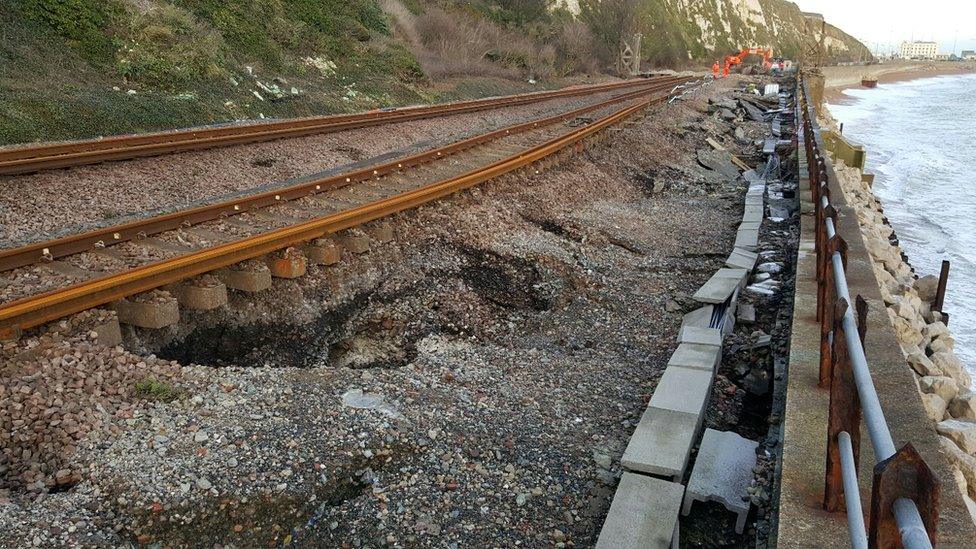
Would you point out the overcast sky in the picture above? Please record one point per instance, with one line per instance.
(878, 23)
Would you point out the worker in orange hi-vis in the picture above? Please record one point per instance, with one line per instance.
(715, 71)
(725, 71)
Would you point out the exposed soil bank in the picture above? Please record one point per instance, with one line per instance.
(473, 383)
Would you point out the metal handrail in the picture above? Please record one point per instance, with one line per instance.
(910, 524)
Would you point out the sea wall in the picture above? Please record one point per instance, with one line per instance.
(926, 342)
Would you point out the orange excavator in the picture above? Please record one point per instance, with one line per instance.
(766, 53)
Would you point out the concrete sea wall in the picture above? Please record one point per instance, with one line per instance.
(925, 340)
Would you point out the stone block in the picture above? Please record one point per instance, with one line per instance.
(323, 251)
(109, 332)
(683, 390)
(354, 243)
(154, 314)
(252, 279)
(381, 232)
(203, 297)
(700, 336)
(722, 473)
(289, 264)
(643, 515)
(661, 443)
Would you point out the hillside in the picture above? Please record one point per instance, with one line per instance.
(82, 68)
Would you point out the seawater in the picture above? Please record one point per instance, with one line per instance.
(920, 138)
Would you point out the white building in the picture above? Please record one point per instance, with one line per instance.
(919, 50)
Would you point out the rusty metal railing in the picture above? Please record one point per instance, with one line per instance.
(904, 492)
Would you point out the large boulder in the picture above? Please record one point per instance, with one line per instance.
(907, 334)
(963, 406)
(949, 365)
(934, 330)
(926, 287)
(921, 363)
(963, 433)
(962, 461)
(943, 386)
(935, 407)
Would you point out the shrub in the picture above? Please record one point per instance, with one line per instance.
(152, 389)
(168, 48)
(85, 24)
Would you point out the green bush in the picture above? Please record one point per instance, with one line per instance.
(168, 49)
(153, 389)
(87, 25)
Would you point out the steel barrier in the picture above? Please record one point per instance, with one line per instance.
(905, 492)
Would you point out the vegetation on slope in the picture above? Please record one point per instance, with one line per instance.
(81, 68)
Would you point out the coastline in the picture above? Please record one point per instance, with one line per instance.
(926, 342)
(838, 79)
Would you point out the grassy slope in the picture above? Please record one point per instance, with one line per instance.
(82, 68)
(67, 66)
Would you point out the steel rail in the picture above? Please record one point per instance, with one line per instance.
(52, 249)
(32, 158)
(37, 310)
(907, 516)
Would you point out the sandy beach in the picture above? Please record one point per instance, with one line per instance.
(840, 78)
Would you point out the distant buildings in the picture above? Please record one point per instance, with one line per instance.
(919, 50)
(968, 55)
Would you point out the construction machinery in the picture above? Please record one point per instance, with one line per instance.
(736, 59)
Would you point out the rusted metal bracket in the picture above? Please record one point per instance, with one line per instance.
(845, 413)
(941, 289)
(903, 475)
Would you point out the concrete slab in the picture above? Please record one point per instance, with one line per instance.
(742, 259)
(696, 356)
(644, 514)
(661, 443)
(746, 313)
(753, 214)
(700, 317)
(721, 285)
(722, 473)
(747, 239)
(700, 336)
(683, 390)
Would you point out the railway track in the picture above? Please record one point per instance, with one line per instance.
(48, 280)
(48, 156)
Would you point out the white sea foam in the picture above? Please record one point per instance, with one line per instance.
(920, 138)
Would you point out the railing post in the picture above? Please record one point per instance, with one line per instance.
(826, 298)
(903, 475)
(845, 414)
(941, 289)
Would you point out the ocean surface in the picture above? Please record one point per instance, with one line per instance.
(920, 138)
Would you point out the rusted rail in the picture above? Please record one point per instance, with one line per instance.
(39, 309)
(75, 153)
(53, 249)
(905, 492)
